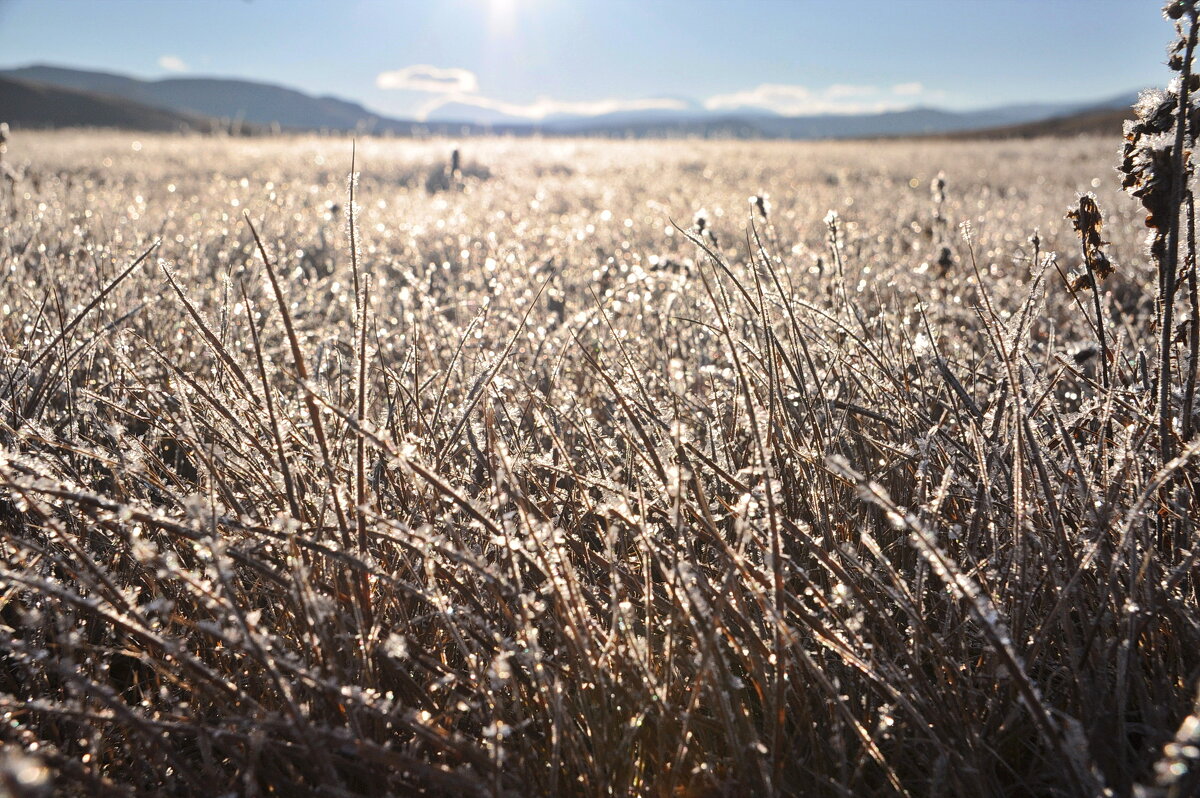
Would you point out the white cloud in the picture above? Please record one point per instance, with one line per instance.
(796, 100)
(461, 87)
(845, 90)
(775, 96)
(907, 89)
(543, 107)
(172, 63)
(422, 77)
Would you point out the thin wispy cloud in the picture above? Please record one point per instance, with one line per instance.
(422, 77)
(839, 90)
(172, 63)
(908, 89)
(544, 107)
(457, 86)
(797, 100)
(779, 97)
(460, 87)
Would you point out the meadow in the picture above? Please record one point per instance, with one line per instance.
(593, 468)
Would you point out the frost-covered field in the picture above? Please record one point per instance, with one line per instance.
(540, 493)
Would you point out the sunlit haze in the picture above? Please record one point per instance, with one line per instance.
(537, 58)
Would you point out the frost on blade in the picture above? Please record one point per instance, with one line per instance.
(596, 494)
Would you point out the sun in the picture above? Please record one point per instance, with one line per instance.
(502, 16)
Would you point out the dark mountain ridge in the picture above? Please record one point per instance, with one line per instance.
(269, 106)
(37, 105)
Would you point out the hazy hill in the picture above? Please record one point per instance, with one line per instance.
(913, 122)
(265, 104)
(684, 110)
(692, 119)
(28, 104)
(1103, 122)
(259, 104)
(256, 103)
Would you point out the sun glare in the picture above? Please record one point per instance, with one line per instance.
(501, 16)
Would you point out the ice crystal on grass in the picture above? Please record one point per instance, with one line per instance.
(686, 510)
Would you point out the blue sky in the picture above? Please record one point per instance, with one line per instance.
(538, 57)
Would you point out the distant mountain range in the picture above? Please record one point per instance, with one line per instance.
(239, 101)
(51, 96)
(695, 120)
(25, 104)
(1092, 122)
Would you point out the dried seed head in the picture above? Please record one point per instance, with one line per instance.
(1148, 162)
(937, 188)
(1175, 9)
(1154, 110)
(1087, 220)
(1088, 223)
